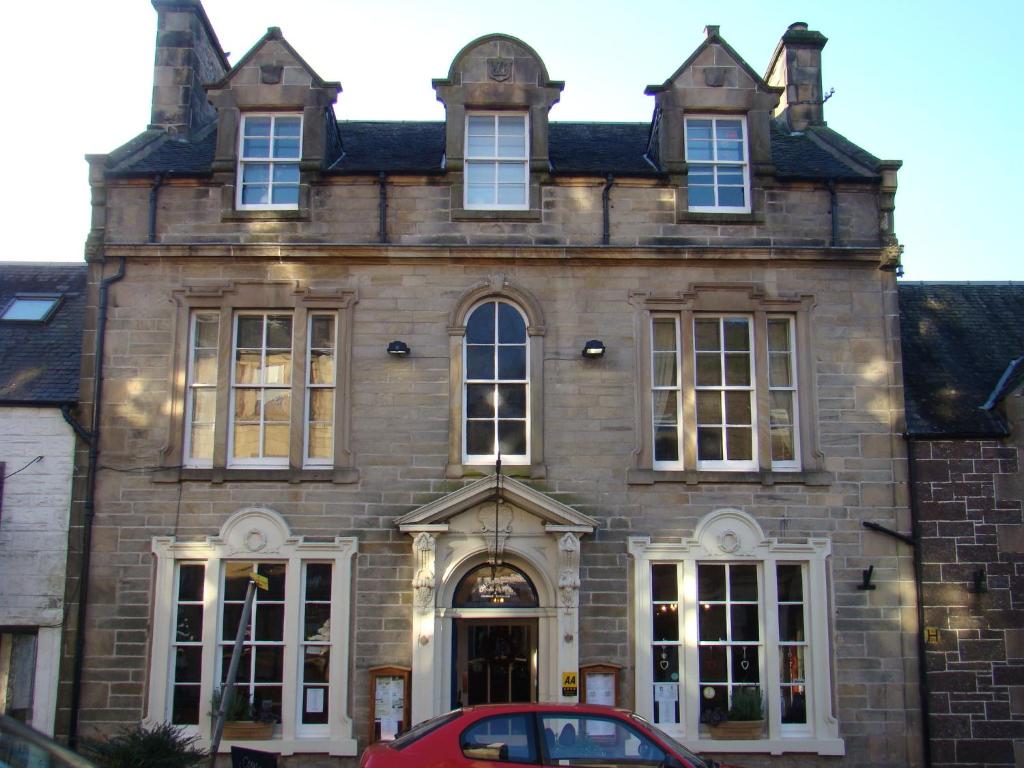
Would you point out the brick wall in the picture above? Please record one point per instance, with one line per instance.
(976, 668)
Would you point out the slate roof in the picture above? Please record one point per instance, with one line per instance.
(39, 362)
(576, 148)
(958, 341)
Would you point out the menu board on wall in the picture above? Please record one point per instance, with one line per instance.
(390, 690)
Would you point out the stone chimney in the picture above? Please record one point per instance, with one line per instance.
(188, 55)
(796, 66)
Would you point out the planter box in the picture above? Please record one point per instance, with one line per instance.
(242, 730)
(738, 729)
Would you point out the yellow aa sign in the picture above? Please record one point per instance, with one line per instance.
(262, 582)
(569, 687)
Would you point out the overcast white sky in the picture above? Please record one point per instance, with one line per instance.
(935, 84)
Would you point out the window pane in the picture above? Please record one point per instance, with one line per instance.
(287, 126)
(664, 584)
(321, 441)
(666, 668)
(745, 665)
(778, 370)
(279, 368)
(479, 401)
(794, 705)
(737, 407)
(791, 661)
(512, 401)
(286, 148)
(248, 404)
(481, 124)
(255, 147)
(778, 334)
(285, 195)
(321, 367)
(275, 440)
(190, 582)
(512, 363)
(275, 573)
(709, 444)
(664, 334)
(512, 195)
(252, 195)
(665, 369)
(737, 335)
(712, 622)
(512, 173)
(479, 195)
(188, 664)
(700, 197)
(480, 146)
(481, 174)
(315, 667)
(706, 335)
(315, 705)
(512, 438)
(666, 622)
(257, 126)
(666, 443)
(710, 582)
(204, 405)
(728, 129)
(269, 622)
(744, 622)
(286, 173)
(731, 197)
(189, 626)
(247, 367)
(246, 441)
(321, 332)
(709, 369)
(740, 444)
(791, 623)
(480, 437)
(255, 173)
(201, 442)
(511, 326)
(730, 150)
(479, 361)
(321, 405)
(318, 622)
(250, 332)
(790, 583)
(267, 702)
(185, 707)
(480, 325)
(269, 666)
(743, 582)
(205, 366)
(666, 408)
(712, 664)
(709, 407)
(206, 331)
(278, 405)
(737, 369)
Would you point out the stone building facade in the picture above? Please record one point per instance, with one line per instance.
(963, 352)
(322, 334)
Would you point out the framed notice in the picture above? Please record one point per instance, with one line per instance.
(389, 702)
(600, 684)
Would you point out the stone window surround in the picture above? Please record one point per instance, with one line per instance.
(500, 289)
(727, 298)
(733, 536)
(254, 534)
(300, 299)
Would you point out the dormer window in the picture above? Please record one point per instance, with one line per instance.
(718, 169)
(268, 162)
(496, 161)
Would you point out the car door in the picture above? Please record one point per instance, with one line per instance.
(571, 738)
(501, 741)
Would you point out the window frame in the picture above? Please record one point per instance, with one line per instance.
(497, 289)
(727, 300)
(257, 535)
(227, 301)
(270, 161)
(715, 162)
(496, 381)
(496, 160)
(731, 536)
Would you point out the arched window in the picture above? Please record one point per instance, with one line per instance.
(496, 385)
(506, 586)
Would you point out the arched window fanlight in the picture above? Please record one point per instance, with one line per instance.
(488, 587)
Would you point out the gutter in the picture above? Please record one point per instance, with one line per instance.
(606, 193)
(382, 208)
(153, 192)
(90, 502)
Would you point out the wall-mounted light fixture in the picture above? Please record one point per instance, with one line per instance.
(593, 348)
(398, 349)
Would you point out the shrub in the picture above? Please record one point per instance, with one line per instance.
(162, 746)
(746, 704)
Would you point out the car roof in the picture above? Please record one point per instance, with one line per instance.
(554, 706)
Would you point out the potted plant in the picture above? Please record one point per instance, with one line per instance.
(240, 720)
(745, 719)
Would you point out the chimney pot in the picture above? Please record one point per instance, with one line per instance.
(798, 25)
(711, 30)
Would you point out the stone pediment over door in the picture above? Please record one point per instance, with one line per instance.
(554, 515)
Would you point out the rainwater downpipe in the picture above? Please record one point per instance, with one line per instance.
(834, 212)
(606, 194)
(153, 194)
(922, 662)
(382, 207)
(90, 501)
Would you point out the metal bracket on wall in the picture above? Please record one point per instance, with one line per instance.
(888, 532)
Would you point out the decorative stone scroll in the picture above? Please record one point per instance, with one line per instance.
(569, 570)
(423, 549)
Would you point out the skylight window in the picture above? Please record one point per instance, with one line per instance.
(28, 308)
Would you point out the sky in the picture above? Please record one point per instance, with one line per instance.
(934, 83)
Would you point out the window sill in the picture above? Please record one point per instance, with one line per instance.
(497, 214)
(767, 746)
(761, 477)
(531, 471)
(719, 217)
(337, 475)
(289, 214)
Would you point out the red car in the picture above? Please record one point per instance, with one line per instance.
(532, 735)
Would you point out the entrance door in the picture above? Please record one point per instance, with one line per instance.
(496, 661)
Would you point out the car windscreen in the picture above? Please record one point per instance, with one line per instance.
(420, 730)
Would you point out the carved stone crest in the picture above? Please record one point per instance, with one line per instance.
(499, 69)
(270, 74)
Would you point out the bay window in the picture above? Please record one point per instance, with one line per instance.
(293, 668)
(732, 610)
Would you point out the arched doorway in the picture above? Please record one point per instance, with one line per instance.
(495, 655)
